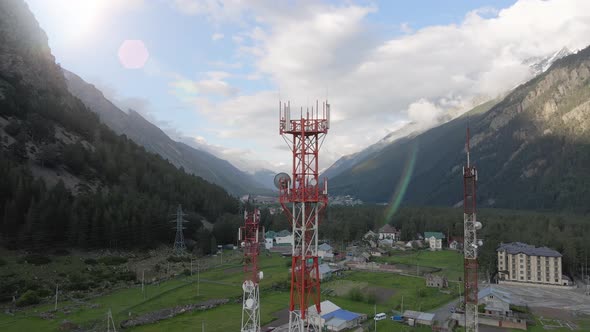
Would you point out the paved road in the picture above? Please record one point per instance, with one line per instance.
(443, 313)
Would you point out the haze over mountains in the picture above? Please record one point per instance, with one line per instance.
(143, 132)
(532, 149)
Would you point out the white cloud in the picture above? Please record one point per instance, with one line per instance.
(213, 85)
(217, 36)
(313, 50)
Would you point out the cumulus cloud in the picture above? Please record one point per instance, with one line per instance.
(217, 36)
(316, 50)
(213, 84)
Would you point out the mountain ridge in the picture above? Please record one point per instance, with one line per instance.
(523, 144)
(136, 127)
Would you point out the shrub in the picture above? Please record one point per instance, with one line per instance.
(112, 260)
(3, 262)
(126, 276)
(37, 259)
(371, 298)
(90, 261)
(44, 292)
(28, 298)
(61, 252)
(177, 259)
(355, 294)
(186, 272)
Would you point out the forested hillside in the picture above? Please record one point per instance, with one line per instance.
(67, 179)
(532, 150)
(148, 135)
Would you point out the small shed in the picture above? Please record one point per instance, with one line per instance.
(422, 318)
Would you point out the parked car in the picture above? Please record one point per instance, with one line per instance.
(380, 316)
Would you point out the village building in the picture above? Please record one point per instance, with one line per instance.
(456, 243)
(388, 232)
(521, 262)
(325, 252)
(334, 318)
(434, 240)
(438, 281)
(418, 318)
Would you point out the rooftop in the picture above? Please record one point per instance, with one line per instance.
(324, 247)
(527, 249)
(387, 229)
(341, 314)
(424, 316)
(436, 235)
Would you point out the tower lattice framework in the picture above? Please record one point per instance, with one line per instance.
(303, 198)
(179, 245)
(249, 236)
(471, 243)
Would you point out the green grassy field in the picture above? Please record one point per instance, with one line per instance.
(450, 261)
(224, 282)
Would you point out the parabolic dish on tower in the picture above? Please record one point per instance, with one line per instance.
(282, 180)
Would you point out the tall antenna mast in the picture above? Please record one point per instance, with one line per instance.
(303, 198)
(471, 243)
(179, 245)
(249, 237)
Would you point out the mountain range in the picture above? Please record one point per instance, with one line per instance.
(532, 148)
(143, 132)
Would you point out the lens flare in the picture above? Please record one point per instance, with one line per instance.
(402, 185)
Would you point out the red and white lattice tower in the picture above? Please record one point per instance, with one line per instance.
(471, 243)
(303, 198)
(249, 237)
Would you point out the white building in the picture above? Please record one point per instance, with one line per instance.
(521, 262)
(388, 232)
(325, 251)
(434, 239)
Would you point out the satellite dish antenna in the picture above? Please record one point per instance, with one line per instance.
(260, 275)
(282, 180)
(250, 303)
(248, 286)
(313, 182)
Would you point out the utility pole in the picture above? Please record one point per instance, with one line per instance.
(203, 326)
(56, 291)
(142, 283)
(110, 321)
(374, 320)
(198, 277)
(179, 245)
(191, 266)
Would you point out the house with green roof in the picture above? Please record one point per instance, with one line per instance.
(434, 240)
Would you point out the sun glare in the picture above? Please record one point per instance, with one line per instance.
(80, 18)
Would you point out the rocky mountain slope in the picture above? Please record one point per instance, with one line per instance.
(143, 132)
(68, 180)
(532, 150)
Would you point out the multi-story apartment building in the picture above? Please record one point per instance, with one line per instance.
(521, 262)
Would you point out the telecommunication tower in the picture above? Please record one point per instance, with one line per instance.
(179, 246)
(249, 235)
(303, 198)
(471, 243)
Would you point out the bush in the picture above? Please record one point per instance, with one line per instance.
(112, 260)
(90, 261)
(37, 259)
(61, 252)
(178, 259)
(3, 262)
(28, 298)
(186, 272)
(126, 276)
(371, 298)
(44, 292)
(355, 294)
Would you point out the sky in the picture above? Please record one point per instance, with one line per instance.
(211, 73)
